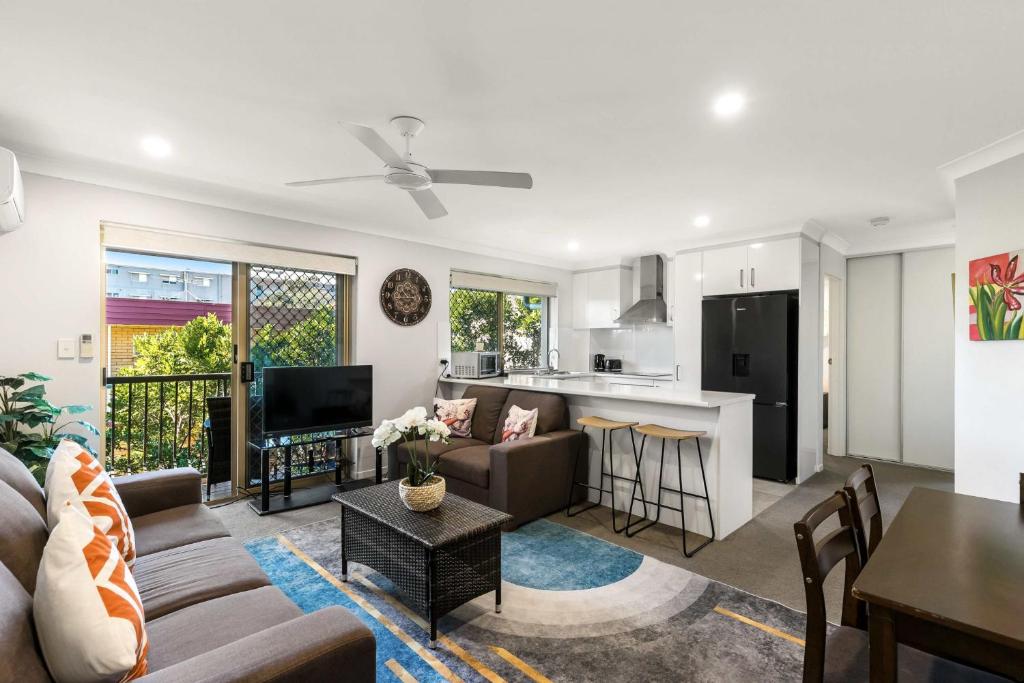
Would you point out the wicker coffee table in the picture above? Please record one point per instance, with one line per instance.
(439, 559)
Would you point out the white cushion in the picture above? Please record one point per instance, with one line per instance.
(520, 424)
(87, 609)
(74, 476)
(456, 413)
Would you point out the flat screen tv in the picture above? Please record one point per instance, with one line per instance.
(304, 400)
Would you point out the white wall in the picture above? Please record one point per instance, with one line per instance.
(809, 396)
(927, 358)
(52, 273)
(989, 375)
(642, 348)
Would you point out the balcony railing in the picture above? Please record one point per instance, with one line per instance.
(156, 421)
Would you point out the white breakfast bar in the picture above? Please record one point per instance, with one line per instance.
(727, 449)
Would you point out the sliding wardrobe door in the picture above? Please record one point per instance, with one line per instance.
(928, 358)
(873, 350)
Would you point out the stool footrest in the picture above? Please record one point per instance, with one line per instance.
(684, 493)
(634, 527)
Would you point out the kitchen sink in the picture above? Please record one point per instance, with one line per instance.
(540, 372)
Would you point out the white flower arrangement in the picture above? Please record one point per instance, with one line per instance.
(409, 427)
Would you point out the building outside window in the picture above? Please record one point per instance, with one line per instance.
(140, 277)
(515, 325)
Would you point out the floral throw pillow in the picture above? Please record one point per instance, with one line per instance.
(457, 414)
(520, 424)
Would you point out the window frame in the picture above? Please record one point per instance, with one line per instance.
(544, 349)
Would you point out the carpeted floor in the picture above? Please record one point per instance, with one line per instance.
(575, 608)
(759, 558)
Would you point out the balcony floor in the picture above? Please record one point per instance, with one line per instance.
(218, 491)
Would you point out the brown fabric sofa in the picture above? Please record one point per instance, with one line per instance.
(528, 478)
(211, 613)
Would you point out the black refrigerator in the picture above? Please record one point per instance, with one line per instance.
(750, 347)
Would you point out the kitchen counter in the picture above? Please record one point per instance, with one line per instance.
(577, 385)
(727, 447)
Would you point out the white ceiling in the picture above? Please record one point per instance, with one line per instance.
(853, 106)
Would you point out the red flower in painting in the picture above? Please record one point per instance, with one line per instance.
(1010, 283)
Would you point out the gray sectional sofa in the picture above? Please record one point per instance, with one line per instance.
(211, 612)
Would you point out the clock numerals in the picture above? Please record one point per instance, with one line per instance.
(405, 297)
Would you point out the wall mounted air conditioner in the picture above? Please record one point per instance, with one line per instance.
(12, 193)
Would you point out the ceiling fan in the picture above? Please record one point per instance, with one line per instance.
(417, 179)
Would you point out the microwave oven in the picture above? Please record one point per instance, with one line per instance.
(475, 364)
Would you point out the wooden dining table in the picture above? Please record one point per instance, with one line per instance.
(948, 579)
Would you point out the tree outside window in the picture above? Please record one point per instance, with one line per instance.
(512, 324)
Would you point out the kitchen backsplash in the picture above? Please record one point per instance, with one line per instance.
(641, 348)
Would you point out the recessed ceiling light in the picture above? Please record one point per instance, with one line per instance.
(573, 246)
(156, 146)
(701, 221)
(728, 105)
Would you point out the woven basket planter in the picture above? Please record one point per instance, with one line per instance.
(422, 498)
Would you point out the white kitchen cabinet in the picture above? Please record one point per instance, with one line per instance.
(759, 267)
(600, 297)
(686, 310)
(773, 266)
(725, 271)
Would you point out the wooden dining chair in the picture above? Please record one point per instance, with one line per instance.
(867, 511)
(817, 560)
(843, 654)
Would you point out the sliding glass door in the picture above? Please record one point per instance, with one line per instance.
(295, 318)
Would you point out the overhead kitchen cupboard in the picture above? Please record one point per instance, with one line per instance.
(600, 296)
(759, 267)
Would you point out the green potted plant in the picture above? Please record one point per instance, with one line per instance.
(422, 490)
(31, 426)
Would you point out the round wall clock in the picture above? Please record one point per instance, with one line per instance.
(405, 297)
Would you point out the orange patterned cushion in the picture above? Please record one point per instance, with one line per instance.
(73, 476)
(86, 607)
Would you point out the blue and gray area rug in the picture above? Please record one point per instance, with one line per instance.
(574, 608)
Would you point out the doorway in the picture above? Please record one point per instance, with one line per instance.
(833, 373)
(167, 352)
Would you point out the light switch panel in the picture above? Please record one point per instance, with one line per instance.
(66, 347)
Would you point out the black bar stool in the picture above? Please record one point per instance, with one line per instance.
(607, 427)
(677, 435)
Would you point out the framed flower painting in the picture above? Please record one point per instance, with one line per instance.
(996, 290)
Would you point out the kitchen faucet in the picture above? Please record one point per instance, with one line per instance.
(558, 359)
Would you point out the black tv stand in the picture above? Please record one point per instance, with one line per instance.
(269, 503)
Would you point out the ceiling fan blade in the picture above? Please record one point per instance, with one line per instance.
(429, 203)
(376, 144)
(491, 178)
(331, 181)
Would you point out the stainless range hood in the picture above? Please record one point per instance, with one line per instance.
(650, 308)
